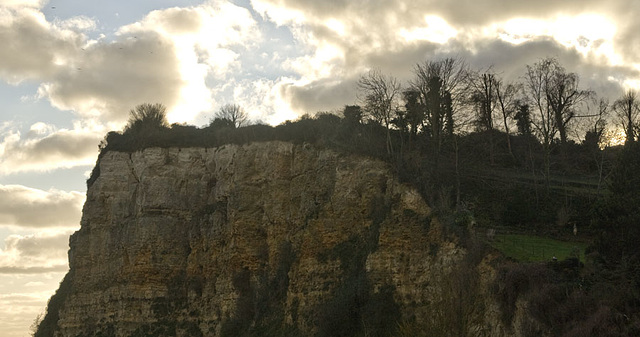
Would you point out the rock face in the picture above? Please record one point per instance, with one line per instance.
(268, 237)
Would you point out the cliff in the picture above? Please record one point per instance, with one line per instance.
(265, 239)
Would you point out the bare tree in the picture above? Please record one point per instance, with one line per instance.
(564, 96)
(556, 95)
(483, 96)
(234, 114)
(379, 96)
(592, 122)
(627, 109)
(440, 85)
(536, 79)
(595, 124)
(506, 95)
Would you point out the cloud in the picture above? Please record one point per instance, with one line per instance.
(43, 252)
(345, 38)
(263, 99)
(167, 57)
(24, 3)
(109, 79)
(188, 58)
(32, 47)
(25, 207)
(322, 95)
(45, 147)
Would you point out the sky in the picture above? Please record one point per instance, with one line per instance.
(70, 71)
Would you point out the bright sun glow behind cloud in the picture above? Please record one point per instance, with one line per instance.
(589, 34)
(336, 26)
(203, 39)
(436, 30)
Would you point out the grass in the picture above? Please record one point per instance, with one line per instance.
(529, 248)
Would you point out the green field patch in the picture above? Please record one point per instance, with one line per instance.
(529, 248)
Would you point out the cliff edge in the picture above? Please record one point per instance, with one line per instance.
(266, 238)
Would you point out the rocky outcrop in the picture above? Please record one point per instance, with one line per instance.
(263, 237)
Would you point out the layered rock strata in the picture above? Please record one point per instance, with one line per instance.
(216, 241)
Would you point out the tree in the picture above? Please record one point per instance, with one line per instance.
(440, 85)
(556, 95)
(621, 215)
(536, 80)
(523, 118)
(414, 111)
(594, 136)
(380, 99)
(563, 95)
(506, 95)
(33, 329)
(592, 124)
(352, 114)
(146, 117)
(233, 113)
(482, 95)
(627, 109)
(221, 123)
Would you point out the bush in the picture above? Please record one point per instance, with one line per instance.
(49, 324)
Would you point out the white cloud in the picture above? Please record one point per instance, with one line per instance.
(34, 48)
(165, 58)
(260, 98)
(206, 41)
(435, 30)
(45, 251)
(45, 147)
(112, 78)
(23, 207)
(77, 24)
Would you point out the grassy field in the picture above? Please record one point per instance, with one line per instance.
(528, 248)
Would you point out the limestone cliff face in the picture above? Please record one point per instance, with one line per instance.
(211, 242)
